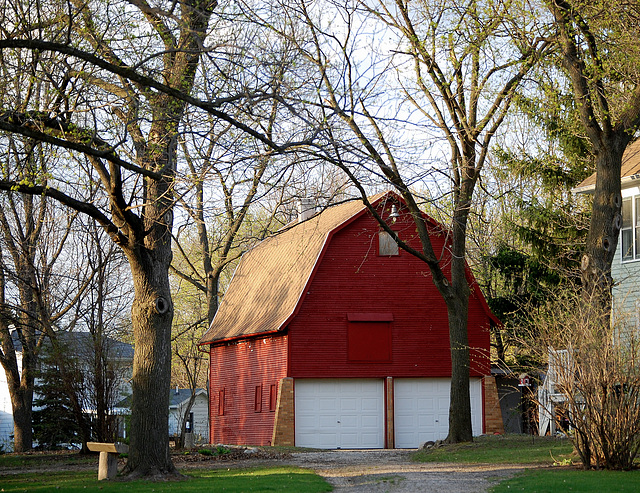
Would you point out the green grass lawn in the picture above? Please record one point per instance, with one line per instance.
(280, 479)
(502, 449)
(551, 480)
(522, 449)
(509, 449)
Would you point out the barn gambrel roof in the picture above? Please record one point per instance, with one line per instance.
(270, 279)
(269, 283)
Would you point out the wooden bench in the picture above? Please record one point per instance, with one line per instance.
(109, 452)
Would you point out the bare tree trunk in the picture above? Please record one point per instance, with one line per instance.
(102, 428)
(606, 220)
(456, 298)
(20, 384)
(460, 429)
(23, 383)
(185, 417)
(21, 404)
(152, 316)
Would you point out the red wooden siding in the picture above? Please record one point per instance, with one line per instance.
(351, 277)
(243, 373)
(369, 342)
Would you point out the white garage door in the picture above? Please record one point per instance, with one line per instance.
(339, 413)
(422, 409)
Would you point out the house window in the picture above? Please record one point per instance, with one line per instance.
(273, 397)
(387, 246)
(221, 402)
(258, 399)
(630, 231)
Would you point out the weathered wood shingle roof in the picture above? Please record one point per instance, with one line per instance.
(630, 169)
(271, 278)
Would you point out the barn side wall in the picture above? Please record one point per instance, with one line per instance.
(244, 380)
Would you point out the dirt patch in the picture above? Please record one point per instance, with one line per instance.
(378, 471)
(205, 457)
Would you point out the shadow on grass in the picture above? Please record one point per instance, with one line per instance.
(281, 479)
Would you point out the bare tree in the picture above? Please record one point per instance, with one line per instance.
(106, 368)
(119, 98)
(447, 68)
(192, 365)
(34, 293)
(220, 190)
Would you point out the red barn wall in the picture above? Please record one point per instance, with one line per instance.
(352, 278)
(236, 369)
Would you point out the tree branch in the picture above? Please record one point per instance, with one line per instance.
(83, 207)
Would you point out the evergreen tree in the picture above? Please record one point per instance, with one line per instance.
(544, 223)
(54, 421)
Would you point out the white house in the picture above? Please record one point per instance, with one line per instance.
(80, 345)
(198, 419)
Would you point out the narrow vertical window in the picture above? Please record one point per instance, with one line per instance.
(273, 397)
(258, 399)
(221, 402)
(636, 225)
(630, 231)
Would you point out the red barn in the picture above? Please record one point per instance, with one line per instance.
(329, 336)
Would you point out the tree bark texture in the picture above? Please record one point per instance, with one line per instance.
(152, 316)
(456, 297)
(21, 404)
(460, 429)
(606, 219)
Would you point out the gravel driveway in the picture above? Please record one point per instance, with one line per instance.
(378, 471)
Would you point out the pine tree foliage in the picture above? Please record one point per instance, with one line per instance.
(54, 421)
(544, 223)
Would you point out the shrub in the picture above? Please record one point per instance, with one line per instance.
(593, 384)
(220, 450)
